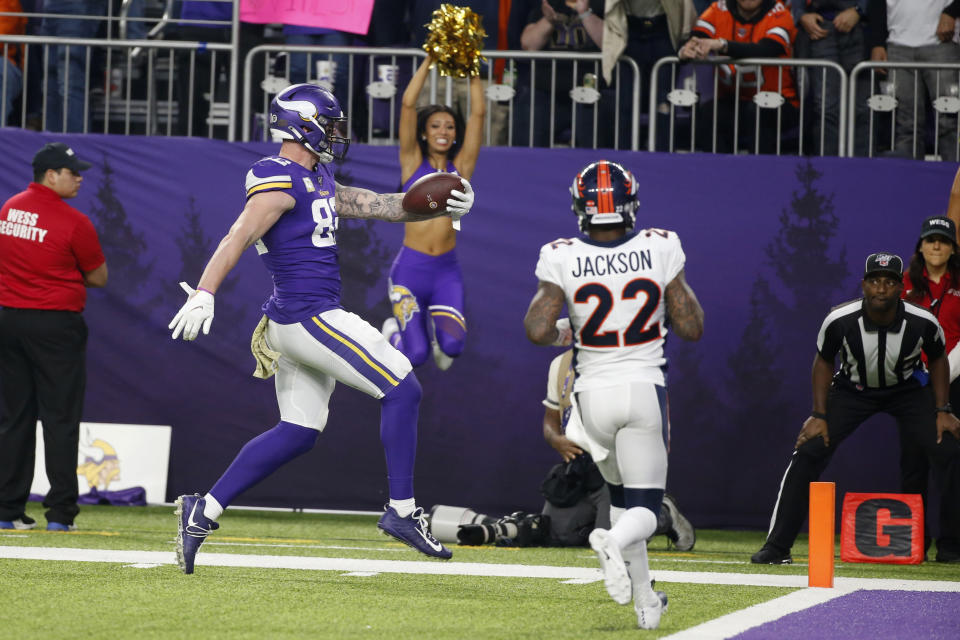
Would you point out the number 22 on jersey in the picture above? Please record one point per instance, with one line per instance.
(640, 329)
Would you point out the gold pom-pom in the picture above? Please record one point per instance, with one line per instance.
(455, 40)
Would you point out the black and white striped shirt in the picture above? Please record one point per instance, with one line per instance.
(879, 357)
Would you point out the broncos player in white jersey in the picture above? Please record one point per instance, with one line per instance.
(306, 337)
(622, 288)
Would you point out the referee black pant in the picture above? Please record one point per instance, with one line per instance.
(913, 408)
(43, 376)
(915, 467)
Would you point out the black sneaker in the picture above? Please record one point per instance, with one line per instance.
(681, 533)
(769, 555)
(943, 555)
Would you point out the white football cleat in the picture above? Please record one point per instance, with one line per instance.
(615, 576)
(648, 617)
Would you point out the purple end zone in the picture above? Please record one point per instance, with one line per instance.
(870, 615)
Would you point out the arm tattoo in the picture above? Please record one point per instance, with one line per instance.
(353, 202)
(683, 309)
(540, 321)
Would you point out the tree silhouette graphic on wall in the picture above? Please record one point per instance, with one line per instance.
(768, 395)
(195, 248)
(760, 398)
(123, 246)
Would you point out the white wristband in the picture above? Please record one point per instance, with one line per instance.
(586, 13)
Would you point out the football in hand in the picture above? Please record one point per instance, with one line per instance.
(429, 194)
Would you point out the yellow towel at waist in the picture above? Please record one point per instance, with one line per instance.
(265, 356)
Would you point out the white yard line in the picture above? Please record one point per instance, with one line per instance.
(210, 543)
(351, 565)
(842, 585)
(578, 575)
(722, 627)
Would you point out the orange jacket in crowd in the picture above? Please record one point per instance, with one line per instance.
(12, 26)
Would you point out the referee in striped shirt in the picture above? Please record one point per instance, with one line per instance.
(879, 339)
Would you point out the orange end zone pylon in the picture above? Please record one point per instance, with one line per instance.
(822, 515)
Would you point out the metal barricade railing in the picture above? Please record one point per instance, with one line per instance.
(120, 92)
(590, 114)
(111, 102)
(686, 98)
(365, 90)
(897, 93)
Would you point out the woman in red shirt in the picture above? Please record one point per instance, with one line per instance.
(932, 281)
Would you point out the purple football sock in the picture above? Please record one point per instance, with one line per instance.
(399, 411)
(262, 456)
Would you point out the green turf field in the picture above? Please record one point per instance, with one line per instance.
(120, 598)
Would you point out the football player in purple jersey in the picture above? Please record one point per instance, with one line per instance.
(306, 337)
(426, 285)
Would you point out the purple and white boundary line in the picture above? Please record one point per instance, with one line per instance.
(727, 626)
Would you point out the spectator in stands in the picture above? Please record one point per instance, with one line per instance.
(389, 27)
(918, 31)
(555, 25)
(644, 32)
(833, 30)
(66, 104)
(933, 282)
(389, 24)
(745, 29)
(11, 78)
(136, 28)
(192, 89)
(421, 14)
(517, 20)
(32, 60)
(304, 67)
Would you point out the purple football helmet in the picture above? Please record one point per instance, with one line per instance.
(312, 116)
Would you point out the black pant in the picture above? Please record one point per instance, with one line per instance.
(42, 375)
(912, 407)
(915, 468)
(775, 126)
(193, 110)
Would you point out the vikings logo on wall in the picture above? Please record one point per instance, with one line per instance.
(404, 304)
(100, 465)
(141, 451)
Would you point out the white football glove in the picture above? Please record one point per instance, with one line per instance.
(461, 202)
(565, 337)
(197, 311)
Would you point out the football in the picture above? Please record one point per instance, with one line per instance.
(429, 194)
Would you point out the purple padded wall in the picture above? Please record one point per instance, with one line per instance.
(771, 244)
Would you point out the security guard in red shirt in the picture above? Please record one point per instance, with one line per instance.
(49, 254)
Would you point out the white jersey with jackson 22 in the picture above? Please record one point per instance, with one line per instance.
(615, 299)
